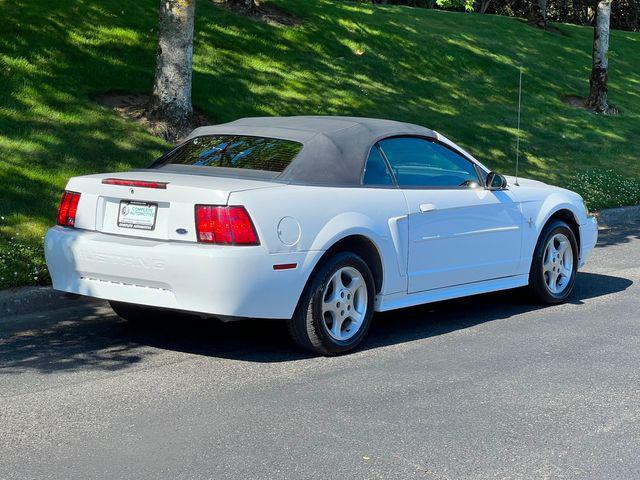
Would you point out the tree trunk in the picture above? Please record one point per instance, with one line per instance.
(484, 6)
(599, 81)
(564, 11)
(171, 100)
(540, 14)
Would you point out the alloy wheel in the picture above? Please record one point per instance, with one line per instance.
(557, 263)
(344, 303)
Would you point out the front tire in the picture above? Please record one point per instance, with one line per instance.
(335, 310)
(555, 263)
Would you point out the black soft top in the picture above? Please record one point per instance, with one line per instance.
(334, 149)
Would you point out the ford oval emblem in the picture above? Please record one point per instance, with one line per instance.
(182, 231)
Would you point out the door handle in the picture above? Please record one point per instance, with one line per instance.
(427, 207)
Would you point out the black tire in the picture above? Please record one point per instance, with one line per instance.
(308, 328)
(537, 284)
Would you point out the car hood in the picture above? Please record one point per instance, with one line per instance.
(526, 182)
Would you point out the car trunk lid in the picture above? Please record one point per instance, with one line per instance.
(151, 204)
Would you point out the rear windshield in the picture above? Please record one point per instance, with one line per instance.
(233, 151)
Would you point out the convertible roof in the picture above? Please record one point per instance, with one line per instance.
(334, 151)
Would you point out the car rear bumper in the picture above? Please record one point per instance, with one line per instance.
(588, 238)
(210, 279)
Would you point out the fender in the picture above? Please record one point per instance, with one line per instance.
(538, 214)
(389, 245)
(544, 217)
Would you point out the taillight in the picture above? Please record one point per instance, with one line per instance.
(68, 209)
(225, 225)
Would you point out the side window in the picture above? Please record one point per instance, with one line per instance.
(417, 162)
(376, 171)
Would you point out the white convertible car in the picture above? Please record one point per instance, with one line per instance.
(317, 220)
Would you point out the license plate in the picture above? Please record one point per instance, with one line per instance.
(139, 215)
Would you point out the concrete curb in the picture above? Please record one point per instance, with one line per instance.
(23, 300)
(18, 301)
(615, 217)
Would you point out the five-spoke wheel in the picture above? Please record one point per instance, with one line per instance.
(344, 303)
(557, 265)
(553, 269)
(336, 307)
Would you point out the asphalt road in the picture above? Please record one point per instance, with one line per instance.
(487, 387)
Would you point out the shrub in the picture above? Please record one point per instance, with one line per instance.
(606, 188)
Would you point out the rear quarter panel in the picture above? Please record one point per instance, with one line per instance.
(326, 215)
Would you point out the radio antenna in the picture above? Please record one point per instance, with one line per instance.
(518, 132)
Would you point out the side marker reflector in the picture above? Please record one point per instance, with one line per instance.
(285, 266)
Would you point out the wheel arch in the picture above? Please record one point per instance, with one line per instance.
(570, 219)
(536, 275)
(363, 246)
(567, 215)
(361, 234)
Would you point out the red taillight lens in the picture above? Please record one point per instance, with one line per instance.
(225, 225)
(68, 209)
(242, 229)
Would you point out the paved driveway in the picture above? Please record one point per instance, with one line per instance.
(488, 387)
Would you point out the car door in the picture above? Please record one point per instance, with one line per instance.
(459, 232)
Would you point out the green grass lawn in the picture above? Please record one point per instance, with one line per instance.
(454, 72)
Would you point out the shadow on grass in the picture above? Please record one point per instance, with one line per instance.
(69, 341)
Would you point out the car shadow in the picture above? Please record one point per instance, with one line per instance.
(267, 341)
(100, 340)
(616, 235)
(444, 317)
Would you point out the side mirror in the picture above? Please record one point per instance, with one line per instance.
(495, 181)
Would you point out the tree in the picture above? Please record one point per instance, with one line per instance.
(599, 80)
(483, 5)
(540, 18)
(171, 99)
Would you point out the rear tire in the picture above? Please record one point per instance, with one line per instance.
(554, 265)
(335, 310)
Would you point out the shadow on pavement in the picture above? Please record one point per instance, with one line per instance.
(67, 340)
(610, 236)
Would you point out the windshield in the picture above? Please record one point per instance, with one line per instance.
(233, 151)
